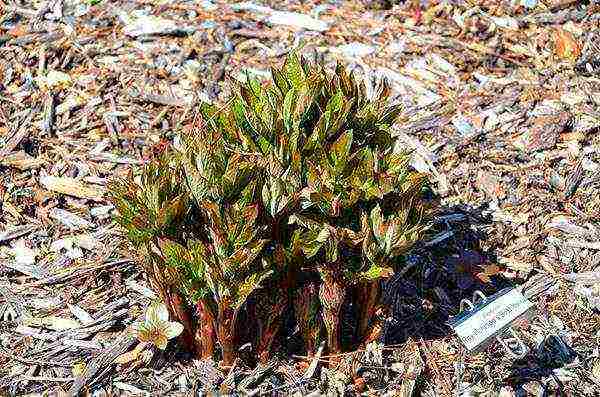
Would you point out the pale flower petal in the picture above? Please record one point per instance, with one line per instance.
(156, 313)
(160, 341)
(173, 329)
(144, 334)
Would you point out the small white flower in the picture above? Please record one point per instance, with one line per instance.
(157, 329)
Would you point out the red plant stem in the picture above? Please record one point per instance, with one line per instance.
(269, 326)
(183, 316)
(266, 340)
(332, 293)
(367, 301)
(376, 329)
(225, 333)
(205, 332)
(305, 311)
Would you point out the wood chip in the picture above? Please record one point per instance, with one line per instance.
(586, 278)
(30, 270)
(69, 219)
(21, 161)
(16, 231)
(102, 363)
(14, 139)
(72, 187)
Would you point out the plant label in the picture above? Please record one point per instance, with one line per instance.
(490, 317)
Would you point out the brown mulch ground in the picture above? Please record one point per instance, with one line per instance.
(500, 108)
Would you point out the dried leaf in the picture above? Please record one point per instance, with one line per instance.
(54, 79)
(596, 369)
(68, 219)
(81, 314)
(78, 368)
(59, 323)
(566, 47)
(19, 30)
(488, 271)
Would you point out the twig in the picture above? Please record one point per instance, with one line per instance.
(434, 367)
(44, 379)
(439, 238)
(323, 357)
(36, 361)
(49, 114)
(583, 244)
(218, 76)
(20, 10)
(310, 371)
(19, 134)
(17, 302)
(459, 371)
(45, 8)
(77, 272)
(158, 99)
(102, 363)
(289, 387)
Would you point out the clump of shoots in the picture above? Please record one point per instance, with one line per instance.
(291, 196)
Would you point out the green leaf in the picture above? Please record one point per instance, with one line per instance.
(375, 273)
(174, 253)
(273, 196)
(377, 222)
(288, 104)
(340, 150)
(334, 105)
(294, 71)
(248, 286)
(317, 138)
(280, 81)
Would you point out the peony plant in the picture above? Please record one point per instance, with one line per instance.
(289, 198)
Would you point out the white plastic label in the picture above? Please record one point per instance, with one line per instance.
(479, 325)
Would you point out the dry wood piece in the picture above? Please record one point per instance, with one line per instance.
(102, 364)
(16, 231)
(22, 161)
(72, 187)
(18, 133)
